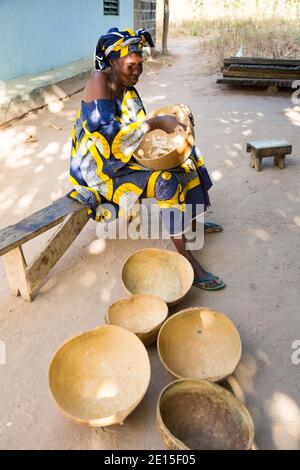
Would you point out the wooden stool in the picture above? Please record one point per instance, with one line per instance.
(268, 148)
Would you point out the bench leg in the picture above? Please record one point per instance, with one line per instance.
(272, 90)
(15, 267)
(276, 161)
(42, 264)
(257, 163)
(255, 160)
(26, 280)
(281, 162)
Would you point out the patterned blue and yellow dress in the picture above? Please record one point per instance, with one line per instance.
(104, 173)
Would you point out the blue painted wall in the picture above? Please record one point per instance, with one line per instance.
(37, 35)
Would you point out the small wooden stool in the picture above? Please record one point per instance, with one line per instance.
(268, 148)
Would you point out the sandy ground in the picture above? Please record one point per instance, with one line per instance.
(257, 255)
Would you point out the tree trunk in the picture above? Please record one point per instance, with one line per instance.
(165, 28)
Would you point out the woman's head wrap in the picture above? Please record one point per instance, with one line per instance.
(115, 44)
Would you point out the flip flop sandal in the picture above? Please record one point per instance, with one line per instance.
(201, 283)
(211, 227)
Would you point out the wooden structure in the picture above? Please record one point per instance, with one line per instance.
(256, 71)
(25, 279)
(278, 149)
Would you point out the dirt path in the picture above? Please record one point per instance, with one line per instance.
(257, 255)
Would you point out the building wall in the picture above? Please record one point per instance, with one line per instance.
(145, 16)
(37, 35)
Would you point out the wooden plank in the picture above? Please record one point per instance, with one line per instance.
(261, 82)
(263, 144)
(261, 61)
(271, 74)
(37, 223)
(264, 68)
(15, 267)
(269, 148)
(275, 152)
(38, 269)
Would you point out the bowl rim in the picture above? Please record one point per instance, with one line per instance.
(174, 253)
(182, 313)
(128, 299)
(241, 405)
(184, 147)
(107, 420)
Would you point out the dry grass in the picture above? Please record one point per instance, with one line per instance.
(263, 28)
(270, 38)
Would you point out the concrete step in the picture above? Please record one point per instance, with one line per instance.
(31, 92)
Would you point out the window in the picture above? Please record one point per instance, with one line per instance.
(111, 7)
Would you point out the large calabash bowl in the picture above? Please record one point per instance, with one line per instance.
(141, 314)
(176, 153)
(99, 377)
(200, 415)
(163, 273)
(199, 343)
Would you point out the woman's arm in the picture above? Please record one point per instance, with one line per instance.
(167, 123)
(97, 88)
(111, 137)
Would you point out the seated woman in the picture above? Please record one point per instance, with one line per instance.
(109, 127)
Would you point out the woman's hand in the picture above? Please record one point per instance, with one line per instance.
(188, 111)
(167, 123)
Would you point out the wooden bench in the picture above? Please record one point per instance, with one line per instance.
(25, 279)
(268, 148)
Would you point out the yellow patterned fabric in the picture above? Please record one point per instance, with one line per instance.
(115, 44)
(103, 169)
